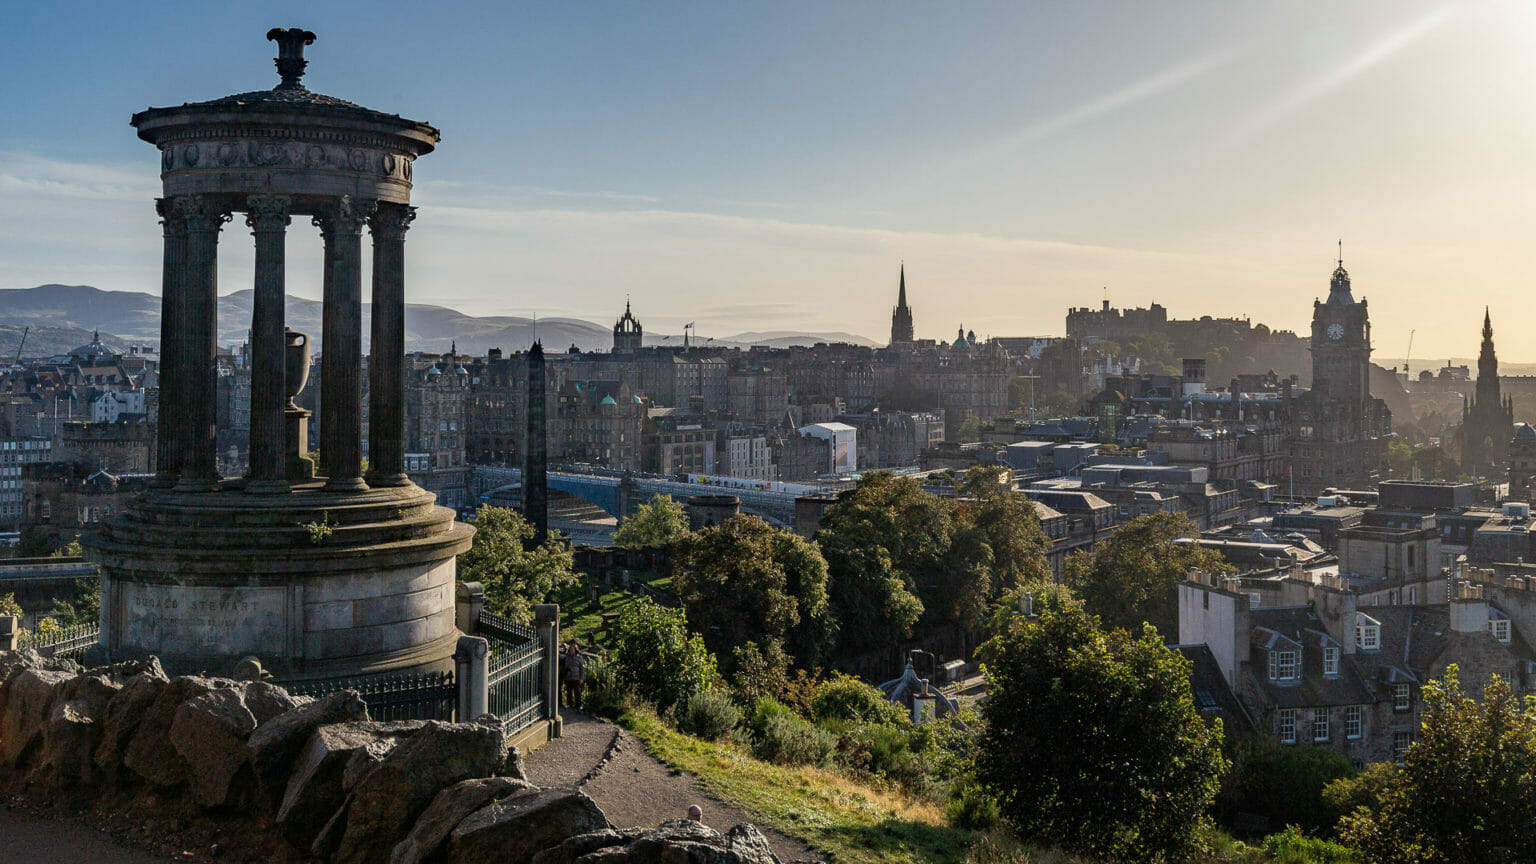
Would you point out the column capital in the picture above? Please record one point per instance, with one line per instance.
(391, 220)
(171, 218)
(202, 213)
(345, 216)
(267, 212)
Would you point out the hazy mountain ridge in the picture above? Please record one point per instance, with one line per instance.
(63, 317)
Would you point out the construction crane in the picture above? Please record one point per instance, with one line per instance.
(24, 331)
(1409, 354)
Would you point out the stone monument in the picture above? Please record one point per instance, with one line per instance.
(318, 576)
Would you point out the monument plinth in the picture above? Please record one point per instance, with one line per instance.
(335, 574)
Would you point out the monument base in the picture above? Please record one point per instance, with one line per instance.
(315, 584)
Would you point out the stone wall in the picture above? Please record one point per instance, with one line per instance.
(289, 778)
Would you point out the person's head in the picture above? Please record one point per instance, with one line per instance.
(695, 813)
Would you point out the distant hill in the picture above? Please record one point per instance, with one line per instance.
(62, 317)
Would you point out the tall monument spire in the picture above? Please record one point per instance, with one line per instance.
(1488, 420)
(901, 316)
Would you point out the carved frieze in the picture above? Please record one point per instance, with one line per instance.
(271, 152)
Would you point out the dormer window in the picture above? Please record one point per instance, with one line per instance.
(1368, 636)
(1499, 627)
(1330, 660)
(1283, 665)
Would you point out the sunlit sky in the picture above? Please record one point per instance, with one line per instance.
(767, 166)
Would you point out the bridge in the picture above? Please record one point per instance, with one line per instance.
(607, 489)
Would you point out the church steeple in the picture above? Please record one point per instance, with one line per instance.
(1489, 416)
(901, 316)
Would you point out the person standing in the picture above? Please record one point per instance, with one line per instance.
(575, 671)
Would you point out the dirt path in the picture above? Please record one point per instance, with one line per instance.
(28, 839)
(634, 788)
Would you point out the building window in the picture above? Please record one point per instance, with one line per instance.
(1402, 697)
(1368, 636)
(1354, 721)
(1401, 741)
(1282, 665)
(1500, 629)
(1320, 730)
(1287, 725)
(1331, 660)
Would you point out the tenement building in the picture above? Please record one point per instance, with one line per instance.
(1336, 431)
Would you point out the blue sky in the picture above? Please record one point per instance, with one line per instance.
(767, 166)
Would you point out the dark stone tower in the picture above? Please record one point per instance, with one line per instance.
(1522, 462)
(626, 333)
(1487, 420)
(901, 316)
(536, 454)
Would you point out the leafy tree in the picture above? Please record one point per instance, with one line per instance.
(655, 656)
(901, 556)
(1092, 741)
(658, 522)
(1283, 783)
(1134, 575)
(514, 573)
(84, 609)
(744, 580)
(1466, 793)
(68, 550)
(9, 606)
(970, 430)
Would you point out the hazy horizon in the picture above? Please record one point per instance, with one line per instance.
(769, 168)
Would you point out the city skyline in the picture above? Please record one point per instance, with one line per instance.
(767, 170)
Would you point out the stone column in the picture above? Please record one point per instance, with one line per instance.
(471, 671)
(198, 363)
(386, 366)
(341, 348)
(267, 216)
(546, 620)
(169, 435)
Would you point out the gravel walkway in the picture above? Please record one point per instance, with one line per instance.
(28, 839)
(634, 788)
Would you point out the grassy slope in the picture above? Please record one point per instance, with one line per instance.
(852, 822)
(580, 620)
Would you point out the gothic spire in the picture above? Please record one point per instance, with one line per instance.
(901, 296)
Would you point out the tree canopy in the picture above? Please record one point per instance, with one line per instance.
(900, 556)
(1134, 574)
(657, 522)
(1466, 793)
(514, 574)
(743, 580)
(656, 656)
(1092, 740)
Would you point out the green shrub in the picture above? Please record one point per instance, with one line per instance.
(707, 714)
(844, 697)
(760, 671)
(1282, 784)
(764, 709)
(972, 806)
(789, 740)
(1365, 789)
(603, 695)
(1291, 846)
(655, 656)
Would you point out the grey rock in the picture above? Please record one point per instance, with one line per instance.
(267, 701)
(209, 733)
(150, 753)
(513, 765)
(316, 789)
(29, 698)
(123, 715)
(124, 671)
(678, 841)
(519, 827)
(329, 836)
(74, 729)
(13, 663)
(387, 801)
(447, 810)
(278, 741)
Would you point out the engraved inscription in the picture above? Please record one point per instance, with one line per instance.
(198, 620)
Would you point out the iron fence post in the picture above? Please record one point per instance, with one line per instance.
(10, 632)
(470, 673)
(546, 617)
(468, 603)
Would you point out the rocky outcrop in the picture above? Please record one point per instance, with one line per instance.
(337, 786)
(447, 810)
(316, 787)
(277, 742)
(519, 827)
(674, 842)
(387, 801)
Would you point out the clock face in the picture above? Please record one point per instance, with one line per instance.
(1335, 331)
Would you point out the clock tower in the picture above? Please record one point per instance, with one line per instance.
(1336, 431)
(1341, 349)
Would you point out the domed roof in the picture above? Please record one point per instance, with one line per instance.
(93, 350)
(609, 400)
(960, 340)
(1524, 432)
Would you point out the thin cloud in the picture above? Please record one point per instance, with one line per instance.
(27, 174)
(1359, 63)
